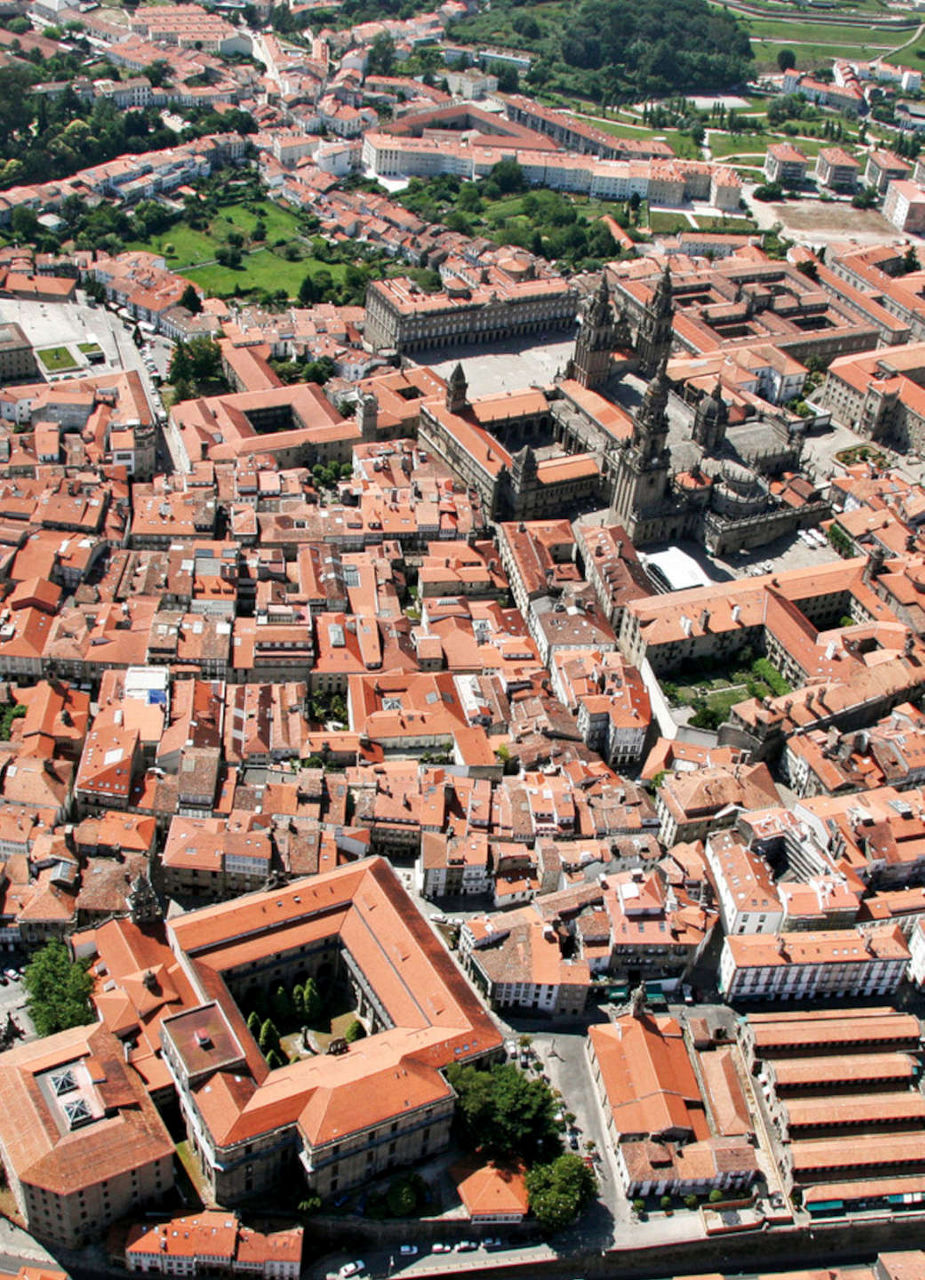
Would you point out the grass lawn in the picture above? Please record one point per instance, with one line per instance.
(739, 144)
(261, 270)
(734, 226)
(57, 359)
(809, 32)
(913, 57)
(89, 348)
(190, 248)
(817, 55)
(665, 223)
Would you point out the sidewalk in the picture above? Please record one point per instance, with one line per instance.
(15, 1242)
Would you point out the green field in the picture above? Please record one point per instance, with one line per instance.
(192, 251)
(666, 223)
(188, 247)
(734, 226)
(810, 32)
(57, 359)
(261, 270)
(913, 57)
(739, 144)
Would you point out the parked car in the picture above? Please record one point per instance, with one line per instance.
(352, 1269)
(466, 1246)
(441, 1248)
(408, 1251)
(492, 1242)
(573, 1141)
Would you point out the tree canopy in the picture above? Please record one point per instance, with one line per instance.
(559, 1191)
(58, 990)
(505, 1113)
(657, 46)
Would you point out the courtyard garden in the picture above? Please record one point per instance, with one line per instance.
(711, 691)
(57, 359)
(302, 1020)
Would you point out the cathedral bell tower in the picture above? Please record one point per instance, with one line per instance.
(644, 462)
(654, 338)
(601, 332)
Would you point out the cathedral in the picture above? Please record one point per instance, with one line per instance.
(686, 472)
(613, 433)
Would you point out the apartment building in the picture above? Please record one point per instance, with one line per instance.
(814, 966)
(904, 206)
(749, 901)
(785, 164)
(837, 170)
(883, 167)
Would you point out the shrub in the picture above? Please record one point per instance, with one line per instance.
(665, 1202)
(715, 1196)
(401, 1199)
(691, 1202)
(764, 670)
(355, 1031)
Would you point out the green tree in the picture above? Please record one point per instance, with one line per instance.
(157, 72)
(307, 291)
(559, 1191)
(274, 1060)
(58, 989)
(504, 1112)
(401, 1198)
(282, 1006)
(380, 60)
(180, 367)
(786, 59)
(24, 223)
(191, 300)
(253, 1024)
(311, 1003)
(14, 712)
(508, 176)
(355, 1031)
(205, 359)
(269, 1038)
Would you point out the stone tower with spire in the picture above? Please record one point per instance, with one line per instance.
(600, 334)
(710, 420)
(644, 463)
(457, 391)
(654, 337)
(143, 905)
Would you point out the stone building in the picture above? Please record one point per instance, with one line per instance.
(334, 1119)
